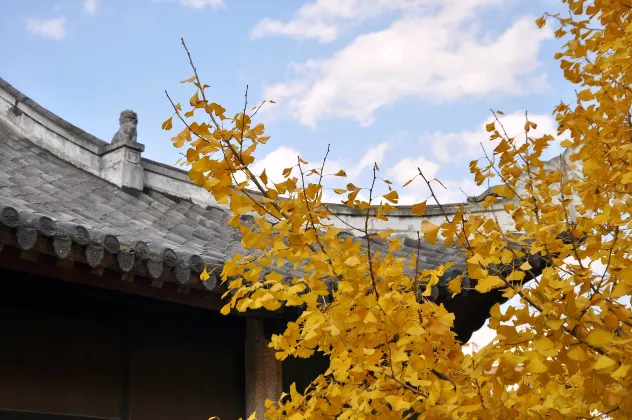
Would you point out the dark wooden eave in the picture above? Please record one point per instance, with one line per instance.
(33, 244)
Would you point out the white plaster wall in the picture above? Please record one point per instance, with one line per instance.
(410, 225)
(182, 189)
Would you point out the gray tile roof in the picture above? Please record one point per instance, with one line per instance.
(40, 194)
(75, 203)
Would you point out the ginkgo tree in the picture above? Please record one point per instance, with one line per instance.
(564, 351)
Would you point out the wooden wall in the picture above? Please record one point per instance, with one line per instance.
(75, 350)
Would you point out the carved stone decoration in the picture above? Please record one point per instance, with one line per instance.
(62, 244)
(126, 258)
(182, 272)
(133, 157)
(109, 242)
(43, 224)
(169, 257)
(211, 283)
(155, 265)
(127, 132)
(94, 254)
(27, 236)
(194, 261)
(78, 233)
(9, 217)
(142, 250)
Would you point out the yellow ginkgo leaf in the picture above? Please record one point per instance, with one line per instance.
(455, 284)
(585, 95)
(418, 209)
(274, 277)
(599, 338)
(168, 124)
(577, 353)
(536, 366)
(430, 231)
(488, 283)
(264, 177)
(543, 344)
(604, 362)
(408, 182)
(384, 233)
(352, 261)
(398, 356)
(397, 402)
(415, 330)
(503, 191)
(370, 318)
(393, 197)
(271, 304)
(621, 372)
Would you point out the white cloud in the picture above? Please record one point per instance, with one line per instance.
(452, 148)
(90, 6)
(200, 4)
(323, 20)
(371, 156)
(53, 28)
(446, 190)
(273, 163)
(437, 56)
(319, 31)
(407, 168)
(456, 147)
(284, 157)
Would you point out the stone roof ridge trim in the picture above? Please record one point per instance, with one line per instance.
(99, 249)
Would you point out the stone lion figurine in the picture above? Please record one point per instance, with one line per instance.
(126, 133)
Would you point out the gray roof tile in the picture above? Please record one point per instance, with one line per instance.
(35, 181)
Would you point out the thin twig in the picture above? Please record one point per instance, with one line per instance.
(434, 195)
(368, 239)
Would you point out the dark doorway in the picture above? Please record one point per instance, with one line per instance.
(77, 352)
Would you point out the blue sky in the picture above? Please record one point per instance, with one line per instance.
(405, 83)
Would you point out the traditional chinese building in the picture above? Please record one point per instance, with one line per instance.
(104, 314)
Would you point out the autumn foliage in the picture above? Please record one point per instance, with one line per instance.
(564, 351)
